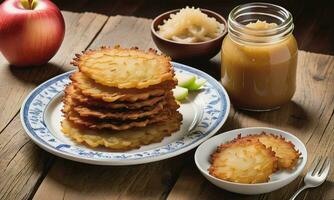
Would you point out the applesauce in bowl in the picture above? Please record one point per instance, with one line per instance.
(259, 57)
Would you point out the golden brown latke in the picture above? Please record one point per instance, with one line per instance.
(284, 150)
(95, 123)
(122, 140)
(106, 113)
(120, 99)
(243, 161)
(89, 101)
(121, 115)
(110, 94)
(125, 68)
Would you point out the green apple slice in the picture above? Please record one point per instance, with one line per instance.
(180, 93)
(197, 84)
(185, 80)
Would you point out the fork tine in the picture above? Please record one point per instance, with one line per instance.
(322, 166)
(325, 168)
(314, 165)
(319, 166)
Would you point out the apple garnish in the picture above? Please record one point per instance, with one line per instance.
(180, 93)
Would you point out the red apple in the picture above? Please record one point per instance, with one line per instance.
(31, 31)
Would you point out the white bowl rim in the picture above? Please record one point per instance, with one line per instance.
(297, 172)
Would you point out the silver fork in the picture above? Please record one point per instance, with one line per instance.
(316, 175)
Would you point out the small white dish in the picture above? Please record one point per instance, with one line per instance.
(277, 180)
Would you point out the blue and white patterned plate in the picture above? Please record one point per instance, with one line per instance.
(203, 115)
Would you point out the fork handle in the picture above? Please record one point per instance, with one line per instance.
(299, 191)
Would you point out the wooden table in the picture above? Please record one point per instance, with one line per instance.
(27, 172)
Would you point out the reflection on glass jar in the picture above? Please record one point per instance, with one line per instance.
(259, 57)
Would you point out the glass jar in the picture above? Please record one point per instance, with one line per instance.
(259, 60)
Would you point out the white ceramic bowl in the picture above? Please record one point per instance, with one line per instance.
(277, 180)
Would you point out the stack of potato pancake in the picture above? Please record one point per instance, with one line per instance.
(121, 99)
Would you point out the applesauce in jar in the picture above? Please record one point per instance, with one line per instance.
(259, 57)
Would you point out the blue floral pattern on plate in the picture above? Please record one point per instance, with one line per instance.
(215, 112)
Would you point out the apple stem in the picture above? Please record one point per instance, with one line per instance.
(30, 4)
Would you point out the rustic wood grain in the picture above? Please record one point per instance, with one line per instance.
(22, 164)
(125, 31)
(309, 116)
(313, 20)
(69, 180)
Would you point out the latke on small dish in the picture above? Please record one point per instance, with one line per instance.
(243, 161)
(285, 152)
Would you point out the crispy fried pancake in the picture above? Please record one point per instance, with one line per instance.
(285, 152)
(120, 99)
(105, 113)
(125, 68)
(109, 114)
(88, 101)
(110, 94)
(122, 140)
(243, 161)
(95, 123)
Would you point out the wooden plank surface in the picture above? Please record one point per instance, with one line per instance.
(81, 181)
(22, 164)
(313, 20)
(309, 116)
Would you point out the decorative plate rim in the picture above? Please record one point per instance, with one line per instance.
(224, 100)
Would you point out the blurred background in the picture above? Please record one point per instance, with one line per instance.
(314, 20)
